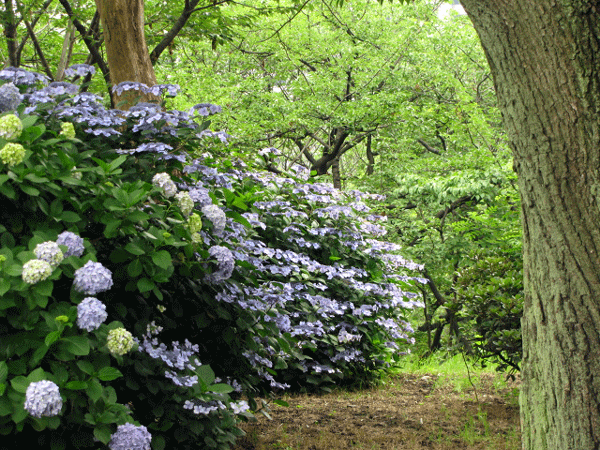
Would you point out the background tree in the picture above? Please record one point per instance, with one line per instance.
(544, 59)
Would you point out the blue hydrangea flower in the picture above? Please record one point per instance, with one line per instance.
(80, 69)
(92, 278)
(225, 263)
(91, 313)
(10, 97)
(49, 252)
(36, 270)
(217, 217)
(163, 181)
(42, 399)
(73, 243)
(119, 341)
(130, 437)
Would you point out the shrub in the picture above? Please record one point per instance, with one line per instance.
(156, 283)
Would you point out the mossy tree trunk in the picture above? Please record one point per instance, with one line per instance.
(545, 58)
(126, 50)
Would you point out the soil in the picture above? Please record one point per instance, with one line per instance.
(407, 412)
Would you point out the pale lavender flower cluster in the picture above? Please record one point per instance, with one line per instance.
(49, 252)
(42, 399)
(158, 89)
(92, 278)
(205, 109)
(217, 217)
(225, 264)
(21, 77)
(73, 243)
(10, 97)
(80, 70)
(200, 407)
(130, 437)
(91, 313)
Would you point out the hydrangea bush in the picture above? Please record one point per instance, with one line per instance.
(151, 288)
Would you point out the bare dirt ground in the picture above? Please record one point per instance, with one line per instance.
(407, 412)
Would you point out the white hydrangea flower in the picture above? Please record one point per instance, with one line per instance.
(36, 270)
(73, 242)
(92, 278)
(185, 202)
(50, 252)
(217, 217)
(42, 399)
(91, 313)
(163, 181)
(12, 154)
(10, 127)
(119, 341)
(130, 437)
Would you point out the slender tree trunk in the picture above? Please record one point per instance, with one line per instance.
(545, 58)
(370, 156)
(126, 49)
(10, 32)
(336, 175)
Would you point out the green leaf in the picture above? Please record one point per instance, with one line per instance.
(134, 268)
(43, 288)
(162, 259)
(3, 371)
(86, 367)
(4, 286)
(30, 134)
(76, 345)
(70, 217)
(20, 384)
(94, 389)
(103, 433)
(145, 285)
(76, 385)
(220, 388)
(206, 374)
(52, 338)
(134, 249)
(30, 190)
(109, 374)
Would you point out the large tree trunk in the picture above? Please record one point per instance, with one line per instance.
(545, 58)
(126, 49)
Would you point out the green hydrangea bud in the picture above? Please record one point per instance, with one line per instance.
(12, 154)
(10, 127)
(76, 174)
(195, 225)
(185, 202)
(67, 130)
(36, 270)
(119, 341)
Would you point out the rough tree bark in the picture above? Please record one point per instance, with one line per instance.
(126, 50)
(545, 58)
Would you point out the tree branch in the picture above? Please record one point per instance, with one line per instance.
(188, 10)
(89, 43)
(428, 147)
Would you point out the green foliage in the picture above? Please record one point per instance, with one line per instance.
(277, 282)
